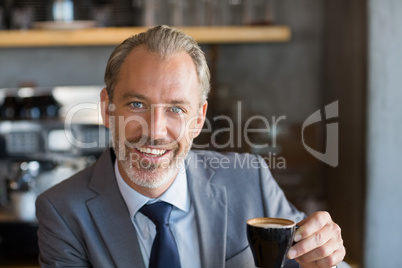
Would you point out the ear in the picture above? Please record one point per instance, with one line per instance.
(104, 102)
(200, 119)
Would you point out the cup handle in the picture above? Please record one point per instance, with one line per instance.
(296, 227)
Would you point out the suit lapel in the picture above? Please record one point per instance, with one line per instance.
(210, 207)
(111, 216)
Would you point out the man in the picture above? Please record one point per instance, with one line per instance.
(154, 104)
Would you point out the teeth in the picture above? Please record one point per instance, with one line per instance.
(151, 151)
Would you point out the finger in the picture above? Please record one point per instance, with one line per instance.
(330, 261)
(312, 242)
(311, 224)
(321, 252)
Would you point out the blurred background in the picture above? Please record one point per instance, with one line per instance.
(282, 60)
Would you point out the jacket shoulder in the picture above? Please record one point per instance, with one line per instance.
(80, 184)
(227, 161)
(71, 189)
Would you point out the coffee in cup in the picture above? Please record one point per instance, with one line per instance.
(270, 240)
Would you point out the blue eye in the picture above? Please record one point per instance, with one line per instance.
(137, 104)
(177, 110)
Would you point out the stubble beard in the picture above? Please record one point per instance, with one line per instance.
(142, 172)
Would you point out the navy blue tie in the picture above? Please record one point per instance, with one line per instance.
(164, 251)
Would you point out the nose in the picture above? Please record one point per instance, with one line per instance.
(157, 123)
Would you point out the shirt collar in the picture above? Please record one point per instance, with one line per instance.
(176, 194)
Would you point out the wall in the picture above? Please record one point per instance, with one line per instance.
(345, 80)
(384, 217)
(279, 79)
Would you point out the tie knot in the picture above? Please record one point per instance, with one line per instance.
(158, 212)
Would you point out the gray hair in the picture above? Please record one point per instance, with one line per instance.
(164, 41)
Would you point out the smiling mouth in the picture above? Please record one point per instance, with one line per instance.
(152, 152)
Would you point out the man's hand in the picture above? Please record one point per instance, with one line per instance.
(318, 242)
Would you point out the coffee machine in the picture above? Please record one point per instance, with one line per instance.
(46, 135)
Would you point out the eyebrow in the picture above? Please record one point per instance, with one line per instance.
(128, 96)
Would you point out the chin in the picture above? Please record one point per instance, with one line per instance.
(151, 178)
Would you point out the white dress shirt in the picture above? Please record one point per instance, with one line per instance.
(182, 219)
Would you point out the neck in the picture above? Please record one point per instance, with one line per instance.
(150, 192)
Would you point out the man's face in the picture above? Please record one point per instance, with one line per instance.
(154, 117)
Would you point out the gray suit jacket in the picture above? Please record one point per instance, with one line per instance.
(84, 221)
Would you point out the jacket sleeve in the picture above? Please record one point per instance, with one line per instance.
(58, 244)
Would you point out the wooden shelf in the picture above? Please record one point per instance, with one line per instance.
(114, 36)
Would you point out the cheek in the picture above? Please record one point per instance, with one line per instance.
(128, 127)
(134, 129)
(177, 128)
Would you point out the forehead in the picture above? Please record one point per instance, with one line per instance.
(149, 73)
